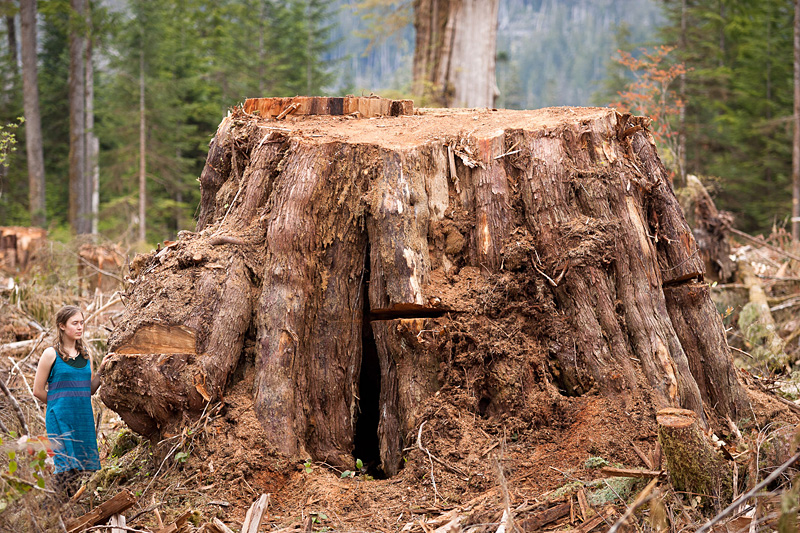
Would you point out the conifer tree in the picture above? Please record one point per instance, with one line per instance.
(739, 100)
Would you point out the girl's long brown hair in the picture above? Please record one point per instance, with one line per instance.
(64, 314)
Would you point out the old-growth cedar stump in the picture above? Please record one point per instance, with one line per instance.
(694, 465)
(328, 241)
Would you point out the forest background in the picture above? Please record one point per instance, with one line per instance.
(162, 75)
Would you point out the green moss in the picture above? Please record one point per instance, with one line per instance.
(611, 490)
(126, 441)
(595, 462)
(565, 490)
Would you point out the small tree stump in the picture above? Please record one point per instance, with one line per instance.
(18, 246)
(694, 466)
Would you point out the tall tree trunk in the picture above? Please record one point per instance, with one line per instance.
(33, 121)
(7, 7)
(454, 55)
(796, 138)
(142, 152)
(79, 206)
(91, 144)
(681, 152)
(542, 255)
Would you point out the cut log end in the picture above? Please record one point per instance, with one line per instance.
(676, 418)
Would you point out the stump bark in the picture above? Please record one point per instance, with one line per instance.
(360, 265)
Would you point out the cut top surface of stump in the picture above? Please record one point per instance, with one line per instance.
(430, 125)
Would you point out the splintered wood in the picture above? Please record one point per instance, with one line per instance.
(114, 506)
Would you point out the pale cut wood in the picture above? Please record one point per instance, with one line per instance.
(117, 520)
(609, 471)
(757, 323)
(116, 505)
(158, 338)
(177, 525)
(217, 526)
(254, 516)
(360, 106)
(11, 346)
(583, 503)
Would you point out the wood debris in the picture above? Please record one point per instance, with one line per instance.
(116, 505)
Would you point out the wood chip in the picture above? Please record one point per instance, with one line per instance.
(548, 516)
(177, 525)
(600, 518)
(609, 471)
(254, 516)
(584, 504)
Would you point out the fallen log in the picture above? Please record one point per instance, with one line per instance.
(757, 324)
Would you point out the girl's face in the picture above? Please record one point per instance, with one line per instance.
(73, 329)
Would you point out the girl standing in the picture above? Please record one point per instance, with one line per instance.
(66, 371)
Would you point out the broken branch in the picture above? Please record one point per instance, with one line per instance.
(609, 471)
(115, 505)
(17, 410)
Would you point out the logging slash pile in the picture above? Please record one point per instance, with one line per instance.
(426, 320)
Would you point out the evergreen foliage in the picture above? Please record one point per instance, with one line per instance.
(739, 102)
(201, 57)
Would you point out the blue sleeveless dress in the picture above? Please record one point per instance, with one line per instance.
(69, 417)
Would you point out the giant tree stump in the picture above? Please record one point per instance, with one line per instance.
(501, 251)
